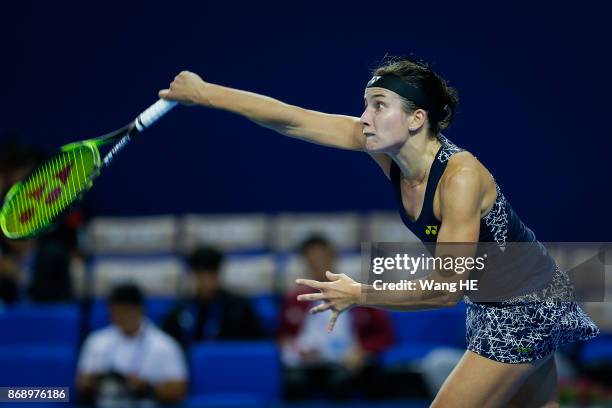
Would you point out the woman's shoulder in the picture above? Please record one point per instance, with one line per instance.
(466, 174)
(462, 164)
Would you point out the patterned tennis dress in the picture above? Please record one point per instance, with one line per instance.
(518, 329)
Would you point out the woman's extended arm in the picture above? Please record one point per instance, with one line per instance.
(344, 132)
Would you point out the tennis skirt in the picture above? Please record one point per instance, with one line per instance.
(524, 330)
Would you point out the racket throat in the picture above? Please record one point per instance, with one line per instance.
(117, 148)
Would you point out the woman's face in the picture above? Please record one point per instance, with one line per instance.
(385, 124)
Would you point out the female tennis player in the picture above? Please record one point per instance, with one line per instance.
(445, 195)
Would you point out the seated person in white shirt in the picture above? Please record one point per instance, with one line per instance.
(131, 360)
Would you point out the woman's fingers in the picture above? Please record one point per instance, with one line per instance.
(310, 283)
(311, 296)
(321, 308)
(187, 88)
(332, 321)
(332, 276)
(164, 93)
(336, 294)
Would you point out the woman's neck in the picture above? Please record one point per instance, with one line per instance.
(415, 158)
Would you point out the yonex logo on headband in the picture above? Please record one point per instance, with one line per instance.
(371, 81)
(412, 93)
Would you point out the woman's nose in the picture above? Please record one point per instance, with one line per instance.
(365, 118)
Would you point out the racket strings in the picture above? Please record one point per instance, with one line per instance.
(48, 192)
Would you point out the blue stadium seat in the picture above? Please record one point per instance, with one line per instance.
(40, 324)
(597, 350)
(236, 371)
(37, 404)
(98, 315)
(417, 333)
(224, 401)
(159, 307)
(267, 309)
(41, 365)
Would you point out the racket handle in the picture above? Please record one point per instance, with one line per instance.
(154, 112)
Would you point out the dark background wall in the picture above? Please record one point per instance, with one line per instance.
(533, 81)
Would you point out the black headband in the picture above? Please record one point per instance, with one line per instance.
(410, 92)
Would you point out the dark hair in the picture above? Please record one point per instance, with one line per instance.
(126, 294)
(205, 258)
(314, 240)
(419, 74)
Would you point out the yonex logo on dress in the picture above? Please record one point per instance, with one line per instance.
(431, 230)
(524, 349)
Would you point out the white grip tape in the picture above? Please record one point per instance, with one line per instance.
(154, 112)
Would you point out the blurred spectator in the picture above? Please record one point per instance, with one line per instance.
(130, 362)
(51, 281)
(338, 363)
(213, 313)
(15, 261)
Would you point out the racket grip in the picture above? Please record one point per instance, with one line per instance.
(154, 112)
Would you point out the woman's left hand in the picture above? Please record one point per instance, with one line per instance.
(338, 295)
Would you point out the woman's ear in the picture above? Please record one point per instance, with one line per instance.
(417, 120)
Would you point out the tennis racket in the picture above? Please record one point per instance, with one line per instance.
(34, 204)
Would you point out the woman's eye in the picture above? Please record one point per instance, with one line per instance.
(379, 105)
